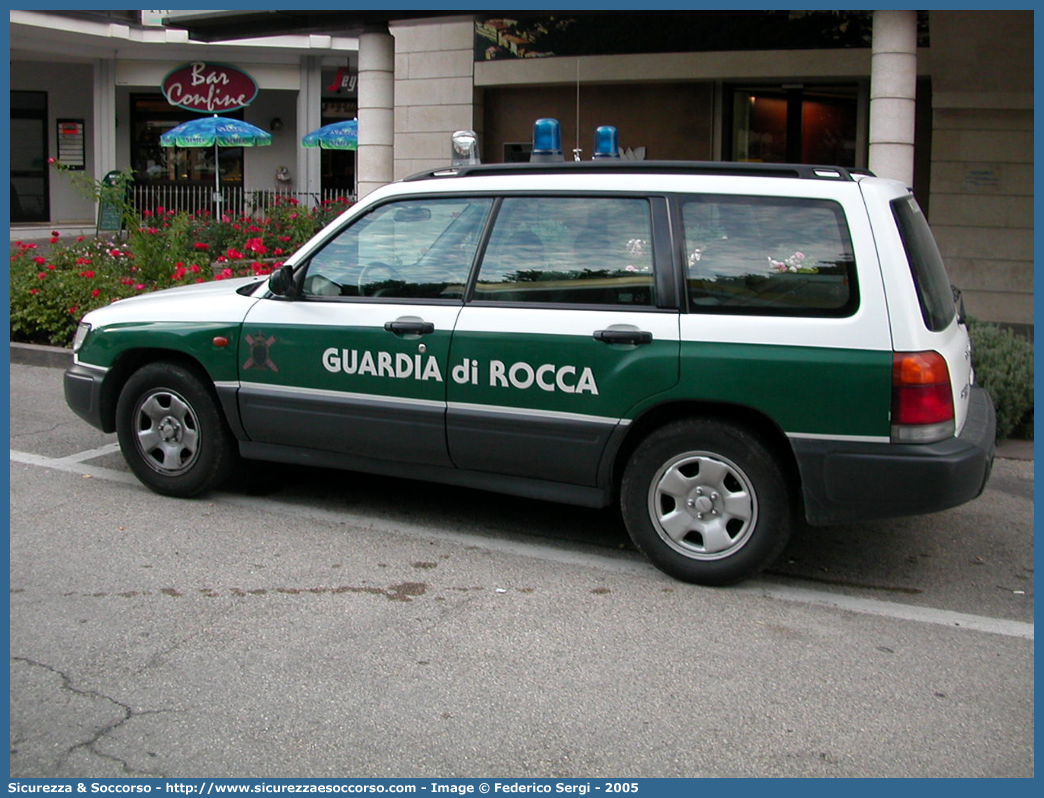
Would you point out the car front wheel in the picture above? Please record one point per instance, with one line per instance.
(171, 431)
(706, 501)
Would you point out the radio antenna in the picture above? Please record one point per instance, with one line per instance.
(576, 149)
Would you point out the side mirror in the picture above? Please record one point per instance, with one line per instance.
(958, 300)
(281, 283)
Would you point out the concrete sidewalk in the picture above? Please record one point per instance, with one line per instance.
(57, 357)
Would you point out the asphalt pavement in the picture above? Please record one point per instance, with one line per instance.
(316, 623)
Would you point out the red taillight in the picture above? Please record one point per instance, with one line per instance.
(921, 392)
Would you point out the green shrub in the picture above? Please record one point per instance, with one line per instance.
(1004, 366)
(53, 287)
(49, 293)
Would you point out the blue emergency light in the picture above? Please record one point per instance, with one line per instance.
(547, 142)
(606, 144)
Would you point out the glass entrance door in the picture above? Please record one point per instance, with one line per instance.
(795, 124)
(29, 184)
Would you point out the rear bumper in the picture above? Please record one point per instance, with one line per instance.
(844, 482)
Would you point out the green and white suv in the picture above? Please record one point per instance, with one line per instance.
(721, 349)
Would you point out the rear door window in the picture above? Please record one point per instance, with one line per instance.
(768, 256)
(570, 250)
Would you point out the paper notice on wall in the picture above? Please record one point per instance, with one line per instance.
(71, 143)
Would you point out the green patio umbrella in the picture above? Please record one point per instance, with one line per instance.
(335, 136)
(216, 131)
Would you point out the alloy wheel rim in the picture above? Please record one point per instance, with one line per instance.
(703, 505)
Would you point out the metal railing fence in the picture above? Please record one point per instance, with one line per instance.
(235, 201)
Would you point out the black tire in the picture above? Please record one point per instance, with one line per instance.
(172, 432)
(706, 501)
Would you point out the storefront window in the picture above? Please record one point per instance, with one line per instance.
(338, 166)
(151, 117)
(798, 124)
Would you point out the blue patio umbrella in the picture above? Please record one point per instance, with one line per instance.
(216, 131)
(335, 136)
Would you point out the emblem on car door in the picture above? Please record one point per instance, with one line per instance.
(260, 345)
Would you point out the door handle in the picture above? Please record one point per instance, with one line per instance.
(617, 336)
(417, 327)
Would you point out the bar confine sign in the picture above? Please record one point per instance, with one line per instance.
(209, 88)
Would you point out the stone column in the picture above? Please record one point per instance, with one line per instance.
(375, 156)
(104, 134)
(309, 116)
(893, 91)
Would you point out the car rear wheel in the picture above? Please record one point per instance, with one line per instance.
(172, 432)
(706, 501)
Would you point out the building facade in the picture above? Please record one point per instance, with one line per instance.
(88, 89)
(971, 109)
(940, 99)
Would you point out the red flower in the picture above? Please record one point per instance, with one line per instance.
(96, 293)
(39, 260)
(201, 245)
(256, 245)
(139, 286)
(80, 238)
(52, 160)
(83, 261)
(33, 291)
(50, 267)
(234, 254)
(278, 251)
(194, 268)
(72, 310)
(146, 213)
(54, 240)
(88, 274)
(41, 275)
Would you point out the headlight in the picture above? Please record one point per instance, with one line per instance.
(81, 336)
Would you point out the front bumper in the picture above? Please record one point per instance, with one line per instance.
(83, 394)
(844, 482)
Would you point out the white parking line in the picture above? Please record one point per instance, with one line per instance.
(90, 454)
(619, 562)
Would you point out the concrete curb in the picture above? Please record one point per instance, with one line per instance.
(37, 355)
(59, 357)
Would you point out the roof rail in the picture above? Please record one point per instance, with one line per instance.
(805, 171)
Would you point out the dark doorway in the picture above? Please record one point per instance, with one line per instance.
(30, 200)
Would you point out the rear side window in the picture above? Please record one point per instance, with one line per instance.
(569, 250)
(768, 256)
(934, 291)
